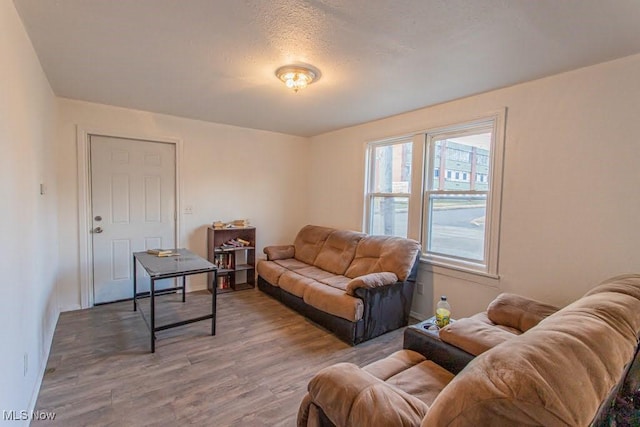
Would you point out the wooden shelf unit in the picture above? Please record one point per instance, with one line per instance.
(236, 265)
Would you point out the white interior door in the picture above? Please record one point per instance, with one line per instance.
(133, 204)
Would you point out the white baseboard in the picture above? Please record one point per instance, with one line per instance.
(196, 287)
(72, 307)
(43, 364)
(419, 316)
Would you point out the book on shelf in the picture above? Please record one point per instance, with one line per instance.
(224, 282)
(235, 243)
(161, 252)
(223, 261)
(236, 223)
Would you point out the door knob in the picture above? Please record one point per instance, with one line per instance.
(98, 230)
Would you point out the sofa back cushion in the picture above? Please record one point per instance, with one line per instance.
(309, 241)
(338, 251)
(375, 254)
(557, 373)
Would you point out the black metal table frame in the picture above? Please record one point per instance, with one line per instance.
(152, 294)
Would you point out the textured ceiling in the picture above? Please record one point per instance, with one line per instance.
(214, 60)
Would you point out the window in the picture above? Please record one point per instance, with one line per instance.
(482, 159)
(460, 210)
(457, 214)
(457, 154)
(389, 187)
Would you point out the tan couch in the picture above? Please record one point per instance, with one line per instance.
(356, 285)
(455, 345)
(507, 316)
(563, 371)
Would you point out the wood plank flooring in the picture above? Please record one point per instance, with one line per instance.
(254, 372)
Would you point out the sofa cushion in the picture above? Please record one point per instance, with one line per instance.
(371, 280)
(517, 311)
(412, 373)
(315, 273)
(424, 380)
(394, 364)
(309, 241)
(338, 251)
(333, 301)
(294, 283)
(348, 396)
(338, 282)
(270, 271)
(291, 264)
(557, 373)
(473, 336)
(625, 284)
(375, 254)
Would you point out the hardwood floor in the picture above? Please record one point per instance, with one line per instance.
(254, 372)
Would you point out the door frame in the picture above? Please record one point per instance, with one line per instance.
(85, 242)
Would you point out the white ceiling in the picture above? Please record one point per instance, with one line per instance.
(214, 60)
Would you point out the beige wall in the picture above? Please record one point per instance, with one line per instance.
(571, 177)
(227, 173)
(28, 261)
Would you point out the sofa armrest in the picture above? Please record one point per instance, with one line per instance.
(517, 311)
(347, 394)
(474, 336)
(279, 252)
(386, 308)
(371, 280)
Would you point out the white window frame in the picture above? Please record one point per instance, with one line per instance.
(370, 195)
(422, 172)
(489, 266)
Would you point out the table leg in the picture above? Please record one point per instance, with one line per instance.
(153, 316)
(214, 295)
(135, 290)
(184, 288)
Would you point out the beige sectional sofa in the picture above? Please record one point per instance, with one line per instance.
(356, 285)
(507, 316)
(455, 345)
(577, 366)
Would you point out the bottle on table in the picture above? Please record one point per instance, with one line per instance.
(443, 312)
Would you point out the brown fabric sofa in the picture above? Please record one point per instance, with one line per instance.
(567, 370)
(507, 316)
(357, 286)
(455, 345)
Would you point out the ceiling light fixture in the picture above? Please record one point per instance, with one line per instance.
(297, 77)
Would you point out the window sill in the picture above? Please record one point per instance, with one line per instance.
(460, 272)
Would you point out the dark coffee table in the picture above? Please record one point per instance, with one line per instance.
(184, 264)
